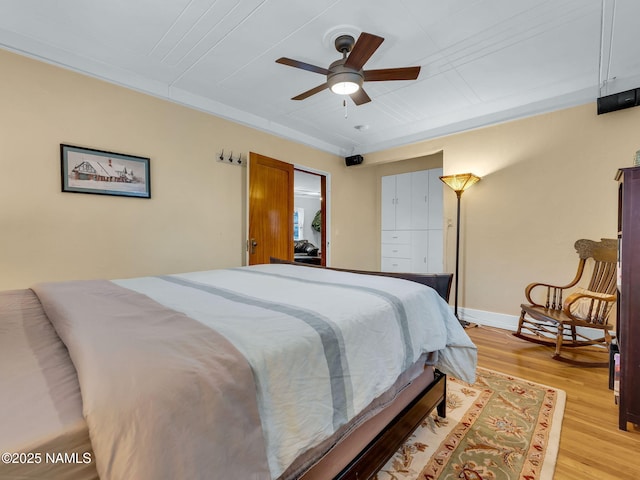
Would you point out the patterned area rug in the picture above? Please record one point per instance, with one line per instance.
(500, 428)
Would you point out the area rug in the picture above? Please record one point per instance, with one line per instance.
(500, 428)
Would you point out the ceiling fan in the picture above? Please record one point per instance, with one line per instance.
(346, 76)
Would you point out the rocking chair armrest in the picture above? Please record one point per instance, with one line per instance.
(531, 286)
(576, 297)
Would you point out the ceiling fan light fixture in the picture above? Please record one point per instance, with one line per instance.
(345, 88)
(345, 83)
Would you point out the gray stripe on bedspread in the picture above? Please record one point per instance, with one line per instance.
(330, 336)
(395, 302)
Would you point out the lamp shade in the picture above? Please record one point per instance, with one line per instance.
(460, 182)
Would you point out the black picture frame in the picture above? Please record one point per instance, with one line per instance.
(87, 170)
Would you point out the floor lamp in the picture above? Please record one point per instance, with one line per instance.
(459, 183)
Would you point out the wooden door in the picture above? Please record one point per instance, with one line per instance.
(270, 209)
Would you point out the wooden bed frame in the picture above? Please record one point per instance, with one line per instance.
(373, 457)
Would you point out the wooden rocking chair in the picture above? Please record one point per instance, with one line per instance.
(558, 313)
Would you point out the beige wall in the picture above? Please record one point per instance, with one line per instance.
(195, 218)
(547, 181)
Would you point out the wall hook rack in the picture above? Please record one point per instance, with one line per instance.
(231, 159)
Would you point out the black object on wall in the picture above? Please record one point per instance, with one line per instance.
(353, 160)
(618, 101)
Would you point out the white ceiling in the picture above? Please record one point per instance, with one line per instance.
(483, 61)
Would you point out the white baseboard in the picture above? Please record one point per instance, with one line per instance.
(489, 319)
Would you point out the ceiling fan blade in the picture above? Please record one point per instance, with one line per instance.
(304, 66)
(365, 46)
(360, 97)
(406, 73)
(313, 91)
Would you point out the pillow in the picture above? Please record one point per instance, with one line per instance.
(580, 308)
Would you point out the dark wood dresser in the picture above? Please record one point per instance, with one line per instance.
(628, 326)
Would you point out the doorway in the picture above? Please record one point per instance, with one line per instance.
(309, 226)
(271, 208)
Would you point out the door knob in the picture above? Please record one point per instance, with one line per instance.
(254, 244)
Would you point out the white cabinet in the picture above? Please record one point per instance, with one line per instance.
(435, 207)
(420, 200)
(388, 206)
(396, 202)
(400, 265)
(412, 222)
(396, 251)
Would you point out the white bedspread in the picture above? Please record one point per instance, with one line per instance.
(321, 344)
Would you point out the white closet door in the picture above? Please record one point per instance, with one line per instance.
(419, 251)
(435, 199)
(435, 263)
(403, 201)
(420, 199)
(389, 203)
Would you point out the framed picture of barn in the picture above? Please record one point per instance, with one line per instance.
(85, 170)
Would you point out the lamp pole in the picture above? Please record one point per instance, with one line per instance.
(459, 183)
(455, 308)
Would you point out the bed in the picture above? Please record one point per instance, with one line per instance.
(266, 372)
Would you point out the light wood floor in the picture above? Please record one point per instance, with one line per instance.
(591, 445)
